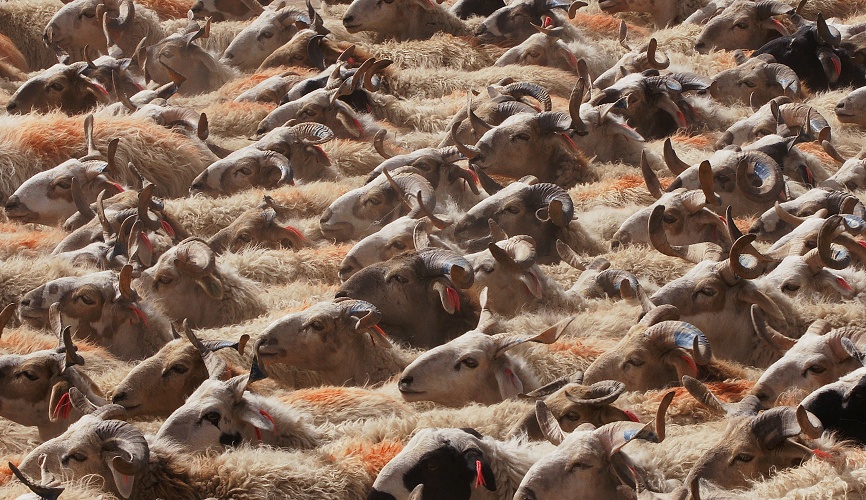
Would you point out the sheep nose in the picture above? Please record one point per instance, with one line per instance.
(13, 202)
(348, 19)
(12, 107)
(525, 494)
(25, 302)
(700, 46)
(117, 398)
(341, 295)
(841, 105)
(197, 7)
(405, 382)
(326, 216)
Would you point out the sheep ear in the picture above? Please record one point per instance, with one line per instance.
(123, 482)
(319, 154)
(257, 419)
(59, 403)
(350, 124)
(509, 383)
(478, 464)
(548, 424)
(682, 362)
(212, 286)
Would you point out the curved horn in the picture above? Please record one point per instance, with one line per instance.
(679, 334)
(572, 9)
(377, 143)
(651, 56)
(776, 340)
(121, 436)
(649, 177)
(80, 203)
(673, 162)
(313, 133)
(5, 316)
(478, 125)
(767, 170)
(744, 244)
(825, 35)
(470, 152)
(788, 217)
(125, 282)
(574, 102)
(46, 492)
(553, 200)
(825, 238)
(598, 394)
(537, 92)
(440, 262)
(568, 255)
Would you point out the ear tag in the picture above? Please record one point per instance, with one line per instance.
(843, 283)
(270, 418)
(837, 65)
(296, 232)
(862, 243)
(381, 332)
(548, 22)
(117, 186)
(122, 481)
(479, 476)
(691, 363)
(631, 416)
(323, 153)
(146, 240)
(100, 88)
(64, 406)
(681, 118)
(474, 176)
(809, 178)
(167, 228)
(569, 141)
(779, 27)
(823, 455)
(453, 298)
(139, 316)
(509, 374)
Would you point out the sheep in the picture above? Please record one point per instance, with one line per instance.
(464, 9)
(63, 87)
(364, 210)
(635, 61)
(49, 197)
(820, 357)
(160, 384)
(512, 24)
(23, 23)
(273, 27)
(838, 405)
(543, 211)
(753, 445)
(743, 25)
(573, 404)
(80, 23)
(756, 81)
(777, 117)
(850, 109)
(403, 20)
(202, 72)
(658, 351)
(307, 48)
(448, 462)
(218, 11)
(340, 340)
(34, 305)
(851, 175)
(813, 53)
(546, 48)
(425, 285)
(257, 226)
(777, 222)
(36, 385)
(685, 215)
(243, 169)
(585, 458)
(233, 415)
(663, 14)
(474, 367)
(186, 282)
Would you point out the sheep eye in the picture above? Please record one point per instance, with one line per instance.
(669, 219)
(744, 457)
(635, 362)
(308, 112)
(742, 25)
(78, 457)
(30, 375)
(521, 137)
(579, 465)
(816, 369)
(63, 184)
(317, 325)
(245, 237)
(431, 466)
(398, 278)
(723, 178)
(709, 292)
(513, 210)
(470, 362)
(267, 34)
(298, 57)
(87, 300)
(749, 83)
(245, 171)
(790, 287)
(212, 417)
(399, 245)
(574, 417)
(179, 369)
(89, 14)
(164, 280)
(763, 131)
(373, 201)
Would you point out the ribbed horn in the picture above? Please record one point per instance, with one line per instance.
(829, 257)
(776, 340)
(598, 394)
(651, 56)
(478, 125)
(574, 102)
(377, 143)
(553, 200)
(537, 92)
(767, 170)
(440, 262)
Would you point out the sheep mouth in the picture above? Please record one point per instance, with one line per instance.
(264, 352)
(21, 214)
(409, 391)
(607, 4)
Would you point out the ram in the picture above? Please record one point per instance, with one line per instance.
(258, 226)
(820, 357)
(187, 282)
(756, 81)
(340, 340)
(402, 19)
(663, 14)
(839, 406)
(273, 27)
(777, 222)
(743, 25)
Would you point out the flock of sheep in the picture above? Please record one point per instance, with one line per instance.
(394, 249)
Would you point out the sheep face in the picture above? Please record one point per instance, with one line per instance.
(686, 220)
(185, 283)
(389, 19)
(222, 10)
(852, 108)
(62, 87)
(78, 24)
(510, 274)
(815, 360)
(513, 23)
(743, 25)
(527, 144)
(364, 210)
(92, 447)
(840, 406)
(178, 53)
(325, 337)
(851, 175)
(445, 461)
(33, 387)
(608, 138)
(46, 198)
(652, 358)
(540, 211)
(755, 81)
(33, 308)
(257, 227)
(805, 275)
(579, 463)
(751, 448)
(246, 168)
(540, 50)
(418, 302)
(161, 383)
(769, 227)
(711, 291)
(272, 29)
(471, 368)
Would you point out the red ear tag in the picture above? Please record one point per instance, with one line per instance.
(512, 378)
(270, 418)
(258, 434)
(691, 364)
(844, 284)
(779, 27)
(296, 232)
(631, 416)
(479, 477)
(823, 455)
(100, 88)
(569, 141)
(453, 298)
(64, 406)
(381, 332)
(837, 65)
(862, 243)
(167, 228)
(681, 118)
(548, 22)
(809, 178)
(139, 315)
(144, 239)
(117, 186)
(358, 124)
(474, 176)
(323, 153)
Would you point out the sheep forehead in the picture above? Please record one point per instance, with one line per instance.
(513, 190)
(242, 155)
(429, 439)
(210, 392)
(408, 158)
(472, 342)
(808, 229)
